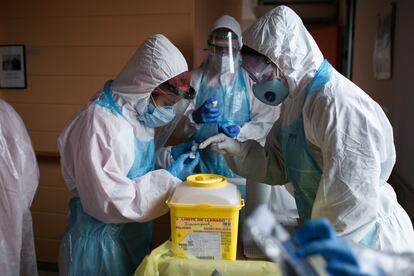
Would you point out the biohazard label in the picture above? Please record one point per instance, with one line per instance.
(205, 238)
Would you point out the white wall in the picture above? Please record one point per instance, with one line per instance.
(395, 95)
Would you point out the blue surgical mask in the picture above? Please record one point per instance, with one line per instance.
(271, 92)
(157, 116)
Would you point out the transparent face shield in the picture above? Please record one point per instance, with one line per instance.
(164, 133)
(224, 48)
(173, 95)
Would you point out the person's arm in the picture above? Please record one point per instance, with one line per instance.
(163, 158)
(263, 116)
(351, 142)
(260, 164)
(105, 191)
(167, 155)
(186, 128)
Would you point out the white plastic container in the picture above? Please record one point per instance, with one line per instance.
(206, 189)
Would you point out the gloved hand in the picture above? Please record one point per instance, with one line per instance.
(222, 144)
(205, 114)
(177, 150)
(184, 166)
(231, 131)
(317, 237)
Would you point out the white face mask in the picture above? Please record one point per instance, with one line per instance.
(268, 88)
(271, 92)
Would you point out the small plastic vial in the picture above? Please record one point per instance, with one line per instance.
(193, 151)
(212, 104)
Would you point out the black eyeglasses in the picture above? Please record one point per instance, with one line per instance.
(186, 95)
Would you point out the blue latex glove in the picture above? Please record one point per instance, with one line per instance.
(184, 166)
(231, 131)
(317, 237)
(205, 114)
(177, 150)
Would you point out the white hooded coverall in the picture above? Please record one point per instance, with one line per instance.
(19, 178)
(262, 116)
(347, 133)
(99, 147)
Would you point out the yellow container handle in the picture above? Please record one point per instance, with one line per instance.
(206, 180)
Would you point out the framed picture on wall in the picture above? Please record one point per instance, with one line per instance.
(12, 67)
(383, 43)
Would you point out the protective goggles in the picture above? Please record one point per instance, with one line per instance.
(259, 68)
(189, 95)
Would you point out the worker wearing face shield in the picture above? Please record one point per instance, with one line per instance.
(332, 141)
(224, 102)
(108, 163)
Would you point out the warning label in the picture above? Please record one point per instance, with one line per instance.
(205, 237)
(203, 224)
(204, 245)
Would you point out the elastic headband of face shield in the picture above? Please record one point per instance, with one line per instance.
(225, 40)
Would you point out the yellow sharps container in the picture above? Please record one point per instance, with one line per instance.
(205, 216)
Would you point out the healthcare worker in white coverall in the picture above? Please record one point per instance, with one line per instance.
(19, 178)
(238, 114)
(332, 141)
(107, 156)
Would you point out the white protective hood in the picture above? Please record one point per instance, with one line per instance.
(97, 147)
(155, 61)
(228, 22)
(281, 36)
